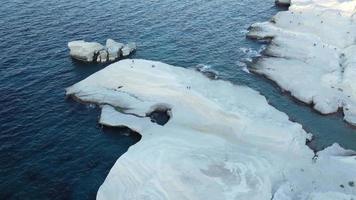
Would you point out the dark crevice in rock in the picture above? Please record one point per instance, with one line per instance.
(261, 40)
(312, 145)
(121, 130)
(160, 115)
(282, 4)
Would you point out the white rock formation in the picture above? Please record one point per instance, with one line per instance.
(221, 142)
(114, 49)
(93, 51)
(102, 56)
(84, 51)
(128, 49)
(312, 53)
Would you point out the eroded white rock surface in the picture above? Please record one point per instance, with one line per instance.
(83, 50)
(128, 49)
(102, 56)
(114, 49)
(312, 53)
(222, 141)
(93, 51)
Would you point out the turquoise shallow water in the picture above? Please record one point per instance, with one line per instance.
(52, 147)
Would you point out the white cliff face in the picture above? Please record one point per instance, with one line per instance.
(312, 53)
(93, 51)
(222, 141)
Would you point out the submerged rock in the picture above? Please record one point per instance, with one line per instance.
(93, 51)
(312, 54)
(222, 141)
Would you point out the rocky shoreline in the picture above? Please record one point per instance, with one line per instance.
(311, 54)
(221, 141)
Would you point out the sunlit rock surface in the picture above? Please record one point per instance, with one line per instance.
(312, 53)
(128, 49)
(222, 141)
(93, 51)
(85, 51)
(114, 49)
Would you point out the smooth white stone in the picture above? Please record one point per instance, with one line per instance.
(84, 51)
(312, 53)
(222, 142)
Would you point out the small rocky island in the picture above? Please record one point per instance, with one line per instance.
(96, 52)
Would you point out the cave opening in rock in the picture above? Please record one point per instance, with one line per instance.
(160, 115)
(119, 131)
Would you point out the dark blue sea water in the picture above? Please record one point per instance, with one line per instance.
(52, 147)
